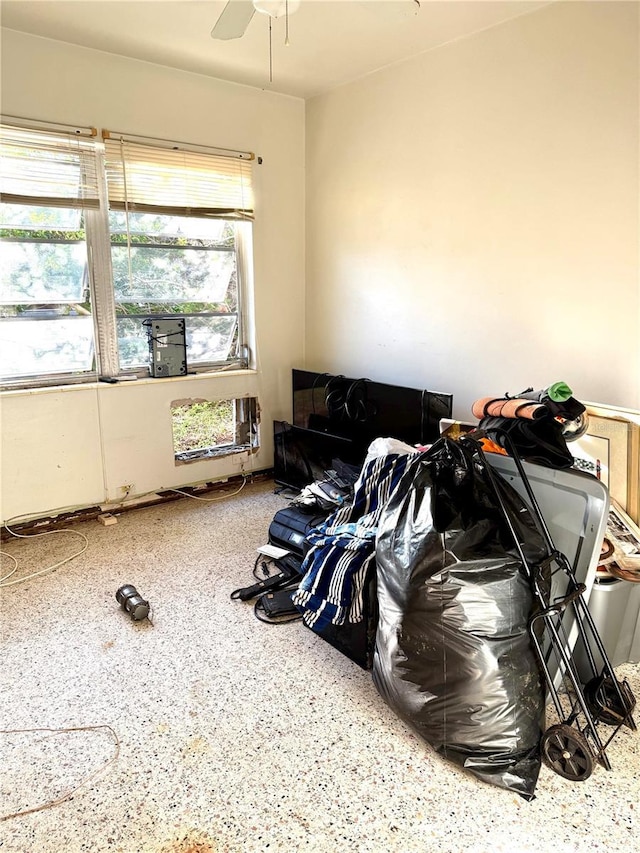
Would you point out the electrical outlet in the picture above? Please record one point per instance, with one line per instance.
(125, 490)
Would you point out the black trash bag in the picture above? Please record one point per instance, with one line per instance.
(453, 656)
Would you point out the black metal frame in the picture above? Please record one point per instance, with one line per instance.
(614, 699)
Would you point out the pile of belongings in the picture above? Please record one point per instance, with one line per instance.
(331, 492)
(452, 650)
(536, 423)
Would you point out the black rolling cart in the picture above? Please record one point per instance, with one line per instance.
(584, 701)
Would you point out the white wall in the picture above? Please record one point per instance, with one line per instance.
(471, 221)
(77, 446)
(472, 214)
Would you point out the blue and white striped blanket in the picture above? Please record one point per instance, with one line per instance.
(335, 568)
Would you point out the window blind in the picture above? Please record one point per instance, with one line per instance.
(46, 168)
(173, 181)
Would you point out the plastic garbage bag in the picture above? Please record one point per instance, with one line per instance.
(453, 656)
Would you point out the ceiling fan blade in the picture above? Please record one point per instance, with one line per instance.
(234, 20)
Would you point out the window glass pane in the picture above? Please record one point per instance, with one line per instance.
(26, 216)
(175, 265)
(132, 342)
(42, 272)
(211, 230)
(39, 346)
(40, 172)
(210, 338)
(168, 274)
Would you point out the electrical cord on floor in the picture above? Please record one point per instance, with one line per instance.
(210, 500)
(264, 565)
(4, 582)
(90, 778)
(13, 570)
(268, 567)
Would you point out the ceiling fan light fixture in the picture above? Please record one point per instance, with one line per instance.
(276, 8)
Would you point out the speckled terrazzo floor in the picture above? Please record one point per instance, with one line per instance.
(237, 736)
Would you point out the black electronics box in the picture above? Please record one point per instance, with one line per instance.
(167, 346)
(278, 603)
(357, 640)
(290, 527)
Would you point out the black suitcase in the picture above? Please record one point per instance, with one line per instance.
(290, 527)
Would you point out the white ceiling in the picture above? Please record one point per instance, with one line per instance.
(332, 41)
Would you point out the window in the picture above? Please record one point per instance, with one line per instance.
(177, 220)
(165, 265)
(172, 237)
(49, 188)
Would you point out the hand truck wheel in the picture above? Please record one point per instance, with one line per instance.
(604, 703)
(567, 752)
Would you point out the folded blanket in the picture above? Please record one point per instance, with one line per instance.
(335, 568)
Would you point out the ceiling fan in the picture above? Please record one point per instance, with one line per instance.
(237, 14)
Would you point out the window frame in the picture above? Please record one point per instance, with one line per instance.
(99, 272)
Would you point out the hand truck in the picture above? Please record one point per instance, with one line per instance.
(570, 746)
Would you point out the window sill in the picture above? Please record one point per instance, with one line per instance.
(147, 380)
